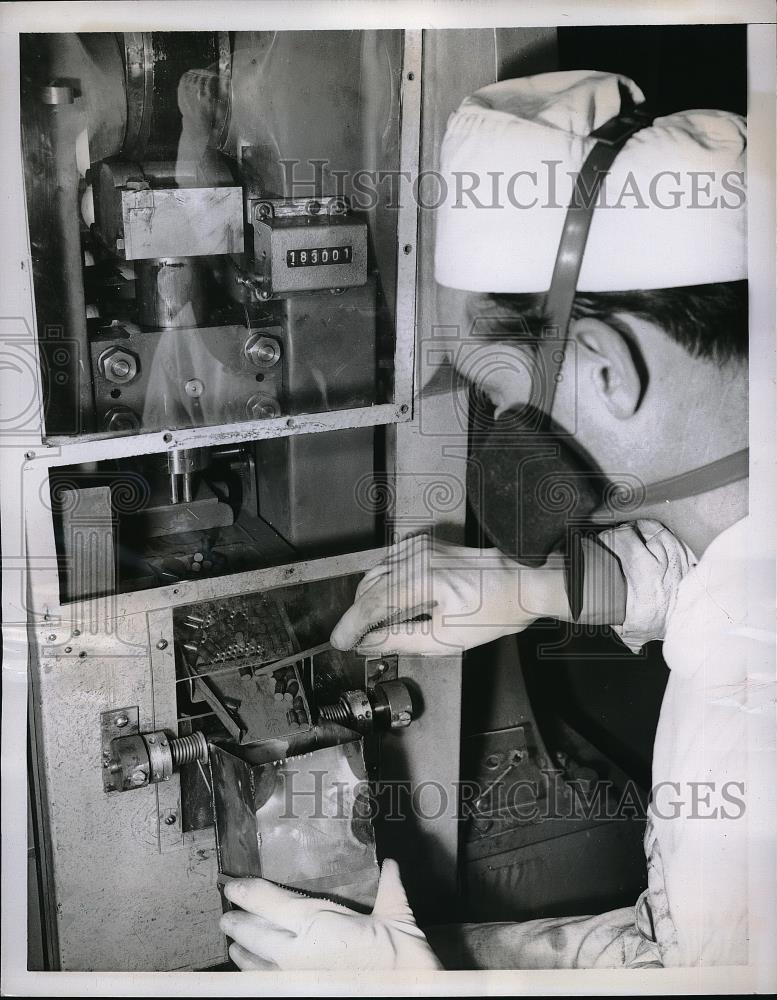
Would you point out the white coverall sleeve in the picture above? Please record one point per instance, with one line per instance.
(654, 563)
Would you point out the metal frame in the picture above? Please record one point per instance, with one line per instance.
(42, 453)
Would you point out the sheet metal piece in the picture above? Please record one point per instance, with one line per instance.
(301, 821)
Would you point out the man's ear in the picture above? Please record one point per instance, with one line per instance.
(611, 359)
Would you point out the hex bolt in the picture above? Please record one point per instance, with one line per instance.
(138, 778)
(121, 418)
(121, 721)
(262, 351)
(118, 365)
(262, 407)
(162, 644)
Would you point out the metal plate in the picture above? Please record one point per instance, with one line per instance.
(302, 821)
(182, 222)
(120, 722)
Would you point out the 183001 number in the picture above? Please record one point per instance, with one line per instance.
(313, 256)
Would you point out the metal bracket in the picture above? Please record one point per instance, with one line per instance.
(119, 722)
(378, 669)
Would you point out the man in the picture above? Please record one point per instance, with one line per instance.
(651, 385)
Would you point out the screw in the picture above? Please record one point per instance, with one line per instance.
(162, 644)
(408, 248)
(121, 721)
(76, 631)
(404, 408)
(29, 454)
(51, 638)
(171, 819)
(68, 649)
(82, 655)
(194, 387)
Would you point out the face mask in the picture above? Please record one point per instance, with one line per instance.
(529, 484)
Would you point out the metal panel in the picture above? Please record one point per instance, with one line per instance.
(106, 848)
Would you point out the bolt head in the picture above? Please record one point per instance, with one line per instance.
(138, 778)
(118, 365)
(194, 387)
(121, 721)
(121, 418)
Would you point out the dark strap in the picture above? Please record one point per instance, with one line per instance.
(721, 472)
(611, 138)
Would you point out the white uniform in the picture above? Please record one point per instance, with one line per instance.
(720, 690)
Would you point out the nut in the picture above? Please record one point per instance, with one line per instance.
(262, 351)
(118, 365)
(262, 407)
(121, 418)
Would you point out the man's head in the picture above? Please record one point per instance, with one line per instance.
(642, 368)
(654, 376)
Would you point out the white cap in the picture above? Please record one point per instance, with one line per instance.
(672, 210)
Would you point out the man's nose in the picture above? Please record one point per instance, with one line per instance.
(507, 374)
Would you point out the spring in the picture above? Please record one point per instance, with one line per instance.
(189, 748)
(335, 713)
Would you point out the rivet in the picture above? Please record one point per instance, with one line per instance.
(162, 644)
(121, 721)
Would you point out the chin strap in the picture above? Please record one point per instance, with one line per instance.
(610, 140)
(714, 475)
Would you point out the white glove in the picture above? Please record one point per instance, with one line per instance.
(469, 596)
(279, 929)
(654, 563)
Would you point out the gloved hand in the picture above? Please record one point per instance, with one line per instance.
(469, 596)
(279, 929)
(654, 563)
